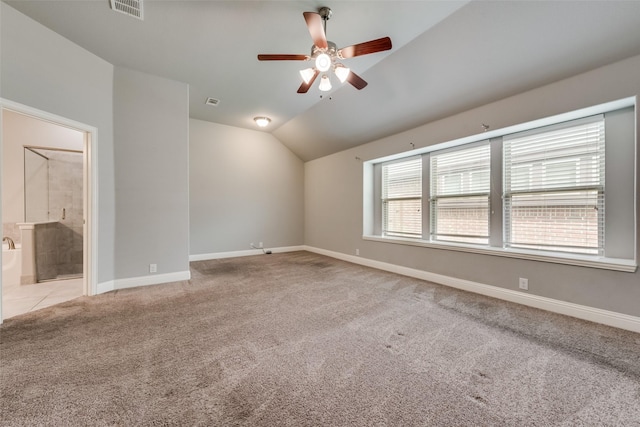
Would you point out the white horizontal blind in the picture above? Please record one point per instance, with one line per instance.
(460, 186)
(402, 198)
(554, 188)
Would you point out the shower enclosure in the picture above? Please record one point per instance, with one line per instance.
(53, 192)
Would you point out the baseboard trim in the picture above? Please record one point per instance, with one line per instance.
(605, 317)
(154, 279)
(157, 279)
(235, 254)
(105, 287)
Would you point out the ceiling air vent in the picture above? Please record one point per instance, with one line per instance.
(212, 102)
(128, 7)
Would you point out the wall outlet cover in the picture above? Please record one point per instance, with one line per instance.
(523, 284)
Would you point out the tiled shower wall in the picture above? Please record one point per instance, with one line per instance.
(45, 235)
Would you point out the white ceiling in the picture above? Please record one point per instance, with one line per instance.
(447, 56)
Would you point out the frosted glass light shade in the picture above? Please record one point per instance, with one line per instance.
(307, 74)
(323, 62)
(262, 121)
(325, 83)
(342, 73)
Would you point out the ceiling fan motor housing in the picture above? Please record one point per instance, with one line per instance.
(332, 50)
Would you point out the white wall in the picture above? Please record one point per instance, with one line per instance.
(151, 130)
(43, 70)
(245, 187)
(337, 181)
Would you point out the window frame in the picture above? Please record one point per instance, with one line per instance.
(384, 201)
(434, 197)
(621, 259)
(539, 171)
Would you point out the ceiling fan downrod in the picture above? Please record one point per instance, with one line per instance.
(325, 13)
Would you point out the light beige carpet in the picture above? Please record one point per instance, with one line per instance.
(300, 339)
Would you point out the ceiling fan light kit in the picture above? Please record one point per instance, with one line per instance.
(326, 55)
(323, 62)
(341, 72)
(307, 74)
(325, 83)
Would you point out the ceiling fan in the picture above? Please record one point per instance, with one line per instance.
(327, 56)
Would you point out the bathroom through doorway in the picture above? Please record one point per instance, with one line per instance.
(46, 205)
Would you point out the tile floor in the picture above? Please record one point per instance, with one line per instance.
(20, 299)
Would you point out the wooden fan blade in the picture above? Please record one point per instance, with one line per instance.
(304, 87)
(356, 81)
(316, 29)
(372, 46)
(282, 57)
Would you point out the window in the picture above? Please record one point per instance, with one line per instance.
(460, 185)
(402, 198)
(554, 188)
(532, 191)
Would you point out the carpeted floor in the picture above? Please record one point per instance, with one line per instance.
(299, 339)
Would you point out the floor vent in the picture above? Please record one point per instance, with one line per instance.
(212, 101)
(128, 7)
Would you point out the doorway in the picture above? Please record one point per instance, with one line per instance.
(65, 150)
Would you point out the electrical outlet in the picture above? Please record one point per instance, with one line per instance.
(153, 268)
(523, 284)
(357, 251)
(260, 245)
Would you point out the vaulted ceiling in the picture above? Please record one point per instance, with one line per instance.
(447, 56)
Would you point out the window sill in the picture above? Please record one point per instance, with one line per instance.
(617, 264)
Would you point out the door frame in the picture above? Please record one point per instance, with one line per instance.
(90, 188)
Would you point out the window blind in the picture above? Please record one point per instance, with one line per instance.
(402, 198)
(554, 187)
(460, 186)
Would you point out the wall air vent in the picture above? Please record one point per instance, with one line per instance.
(212, 102)
(128, 7)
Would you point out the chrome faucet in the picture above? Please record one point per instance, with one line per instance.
(9, 240)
